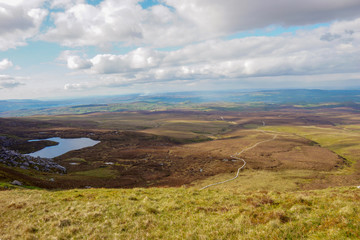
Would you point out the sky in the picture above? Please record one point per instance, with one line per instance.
(79, 48)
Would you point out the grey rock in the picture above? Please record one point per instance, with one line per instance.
(15, 159)
(16, 182)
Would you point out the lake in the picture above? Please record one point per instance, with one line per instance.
(65, 145)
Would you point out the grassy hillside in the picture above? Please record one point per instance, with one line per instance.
(179, 213)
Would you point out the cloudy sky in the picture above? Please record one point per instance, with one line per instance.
(71, 48)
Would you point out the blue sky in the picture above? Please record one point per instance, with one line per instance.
(71, 48)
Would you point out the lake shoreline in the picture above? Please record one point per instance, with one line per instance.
(64, 145)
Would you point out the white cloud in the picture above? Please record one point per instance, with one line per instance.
(85, 24)
(137, 60)
(109, 81)
(65, 4)
(10, 82)
(76, 62)
(233, 15)
(75, 86)
(305, 53)
(199, 27)
(5, 64)
(19, 21)
(24, 3)
(182, 22)
(134, 61)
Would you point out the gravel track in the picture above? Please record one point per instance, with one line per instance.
(236, 156)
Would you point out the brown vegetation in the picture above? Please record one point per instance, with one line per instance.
(176, 152)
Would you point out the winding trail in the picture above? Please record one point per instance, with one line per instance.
(236, 156)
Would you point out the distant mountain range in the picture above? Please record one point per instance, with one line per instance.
(293, 96)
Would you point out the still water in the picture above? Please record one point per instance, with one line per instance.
(65, 145)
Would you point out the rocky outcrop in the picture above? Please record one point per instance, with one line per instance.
(7, 141)
(14, 159)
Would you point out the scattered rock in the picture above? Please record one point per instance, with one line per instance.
(16, 182)
(14, 159)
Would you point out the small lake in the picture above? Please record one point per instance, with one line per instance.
(65, 145)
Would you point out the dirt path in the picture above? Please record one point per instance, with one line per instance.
(236, 156)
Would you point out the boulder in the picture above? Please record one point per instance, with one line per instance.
(16, 182)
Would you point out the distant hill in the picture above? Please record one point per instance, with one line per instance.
(305, 97)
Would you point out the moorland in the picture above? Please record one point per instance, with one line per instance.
(154, 157)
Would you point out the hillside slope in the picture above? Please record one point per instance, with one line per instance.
(179, 213)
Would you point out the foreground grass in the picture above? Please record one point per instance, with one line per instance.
(179, 213)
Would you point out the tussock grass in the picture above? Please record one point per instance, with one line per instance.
(179, 213)
(251, 180)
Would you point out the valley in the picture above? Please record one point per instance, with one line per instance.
(193, 148)
(155, 174)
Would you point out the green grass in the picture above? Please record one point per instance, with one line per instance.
(179, 213)
(252, 180)
(99, 172)
(8, 186)
(250, 126)
(77, 160)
